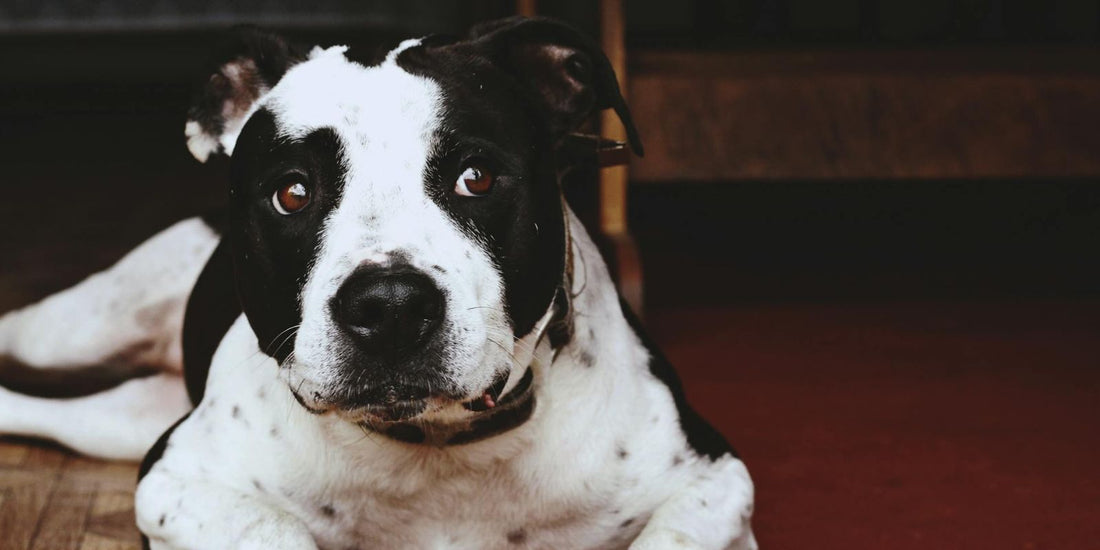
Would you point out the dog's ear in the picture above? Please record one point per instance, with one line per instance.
(244, 68)
(567, 72)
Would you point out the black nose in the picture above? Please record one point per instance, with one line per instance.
(387, 310)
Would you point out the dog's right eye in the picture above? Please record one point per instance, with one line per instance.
(476, 181)
(291, 198)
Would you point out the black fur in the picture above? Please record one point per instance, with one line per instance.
(248, 61)
(701, 436)
(211, 310)
(512, 92)
(272, 252)
(569, 88)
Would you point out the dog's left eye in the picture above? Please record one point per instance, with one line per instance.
(475, 181)
(291, 198)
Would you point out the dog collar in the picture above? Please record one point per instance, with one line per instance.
(513, 409)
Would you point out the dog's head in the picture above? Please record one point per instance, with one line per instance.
(397, 226)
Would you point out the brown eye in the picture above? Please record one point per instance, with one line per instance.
(291, 198)
(475, 181)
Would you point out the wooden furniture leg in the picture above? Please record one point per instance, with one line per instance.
(615, 237)
(526, 8)
(613, 179)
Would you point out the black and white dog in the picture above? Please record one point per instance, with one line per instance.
(401, 337)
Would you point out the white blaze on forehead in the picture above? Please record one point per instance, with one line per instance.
(328, 90)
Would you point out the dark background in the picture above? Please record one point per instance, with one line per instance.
(101, 87)
(904, 362)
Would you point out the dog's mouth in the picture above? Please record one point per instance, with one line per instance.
(393, 403)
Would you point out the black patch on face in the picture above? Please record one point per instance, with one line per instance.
(701, 436)
(626, 523)
(272, 252)
(519, 222)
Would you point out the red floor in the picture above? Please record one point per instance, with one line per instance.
(905, 425)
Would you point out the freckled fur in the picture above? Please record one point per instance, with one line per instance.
(393, 495)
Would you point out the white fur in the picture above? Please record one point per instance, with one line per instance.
(199, 143)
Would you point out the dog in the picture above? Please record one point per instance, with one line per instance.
(398, 335)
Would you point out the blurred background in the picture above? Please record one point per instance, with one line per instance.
(868, 231)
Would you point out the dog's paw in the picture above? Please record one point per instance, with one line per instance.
(671, 539)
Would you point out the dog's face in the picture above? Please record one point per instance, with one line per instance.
(397, 227)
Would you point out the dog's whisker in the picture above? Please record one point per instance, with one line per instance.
(280, 334)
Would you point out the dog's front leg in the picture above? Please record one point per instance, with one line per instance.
(176, 513)
(711, 512)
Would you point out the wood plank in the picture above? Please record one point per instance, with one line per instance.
(112, 517)
(109, 502)
(61, 525)
(108, 476)
(854, 115)
(97, 542)
(613, 179)
(24, 502)
(12, 453)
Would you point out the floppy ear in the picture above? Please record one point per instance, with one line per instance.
(246, 66)
(566, 72)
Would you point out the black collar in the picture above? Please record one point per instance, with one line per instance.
(513, 409)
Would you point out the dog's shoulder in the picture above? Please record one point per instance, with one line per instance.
(700, 435)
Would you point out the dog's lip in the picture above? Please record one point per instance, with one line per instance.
(397, 411)
(489, 398)
(401, 405)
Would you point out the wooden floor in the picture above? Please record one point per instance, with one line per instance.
(52, 499)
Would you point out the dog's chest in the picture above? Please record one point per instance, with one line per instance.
(587, 471)
(507, 506)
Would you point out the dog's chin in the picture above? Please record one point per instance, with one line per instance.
(402, 404)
